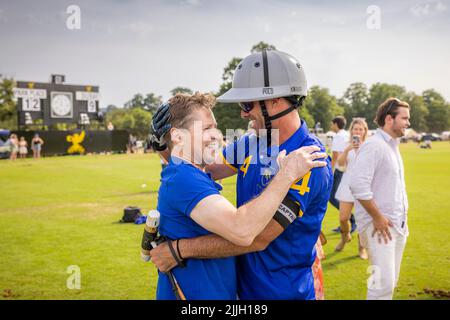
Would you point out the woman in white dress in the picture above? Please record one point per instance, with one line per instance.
(358, 133)
(23, 147)
(14, 143)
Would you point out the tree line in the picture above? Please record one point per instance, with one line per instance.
(430, 112)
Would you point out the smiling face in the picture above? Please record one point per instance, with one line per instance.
(393, 117)
(193, 135)
(255, 116)
(199, 142)
(400, 123)
(206, 149)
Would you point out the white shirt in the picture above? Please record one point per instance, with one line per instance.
(343, 192)
(351, 157)
(378, 174)
(340, 142)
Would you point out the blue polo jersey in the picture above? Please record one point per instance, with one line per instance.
(182, 187)
(283, 270)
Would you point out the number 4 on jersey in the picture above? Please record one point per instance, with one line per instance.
(245, 165)
(303, 187)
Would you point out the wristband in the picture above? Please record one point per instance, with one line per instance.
(178, 250)
(174, 255)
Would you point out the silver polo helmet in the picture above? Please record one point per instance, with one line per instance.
(266, 75)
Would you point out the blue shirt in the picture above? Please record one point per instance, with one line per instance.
(182, 187)
(283, 269)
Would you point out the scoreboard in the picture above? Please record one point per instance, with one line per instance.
(56, 102)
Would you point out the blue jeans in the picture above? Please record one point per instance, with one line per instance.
(336, 181)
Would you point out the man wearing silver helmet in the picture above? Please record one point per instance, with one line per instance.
(269, 86)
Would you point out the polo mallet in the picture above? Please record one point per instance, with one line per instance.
(150, 240)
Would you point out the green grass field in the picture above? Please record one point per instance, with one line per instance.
(63, 211)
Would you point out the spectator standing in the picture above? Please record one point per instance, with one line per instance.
(378, 183)
(130, 145)
(358, 131)
(340, 142)
(14, 143)
(23, 147)
(36, 146)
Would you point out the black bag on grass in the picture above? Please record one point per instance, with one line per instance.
(131, 214)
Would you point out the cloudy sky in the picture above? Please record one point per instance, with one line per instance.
(134, 46)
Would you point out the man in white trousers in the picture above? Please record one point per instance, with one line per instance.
(378, 183)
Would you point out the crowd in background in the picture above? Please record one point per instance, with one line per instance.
(19, 147)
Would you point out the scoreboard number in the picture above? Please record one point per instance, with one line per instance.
(91, 106)
(31, 104)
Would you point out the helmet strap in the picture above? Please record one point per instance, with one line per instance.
(295, 104)
(282, 113)
(268, 119)
(267, 122)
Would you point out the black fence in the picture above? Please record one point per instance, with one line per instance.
(78, 141)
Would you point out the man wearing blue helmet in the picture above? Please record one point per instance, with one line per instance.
(269, 86)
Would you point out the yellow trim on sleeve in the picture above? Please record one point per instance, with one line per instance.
(228, 164)
(300, 213)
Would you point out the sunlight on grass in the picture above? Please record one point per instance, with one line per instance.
(63, 211)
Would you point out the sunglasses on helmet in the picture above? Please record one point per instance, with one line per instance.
(246, 106)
